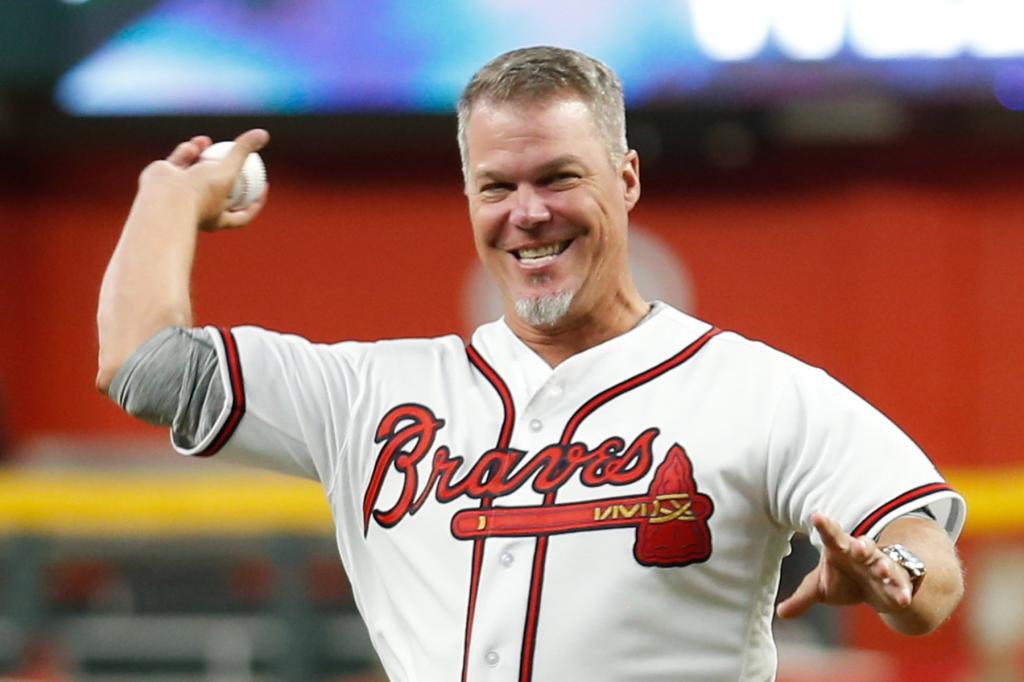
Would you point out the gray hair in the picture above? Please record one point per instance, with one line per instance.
(536, 74)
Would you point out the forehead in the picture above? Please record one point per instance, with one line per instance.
(502, 132)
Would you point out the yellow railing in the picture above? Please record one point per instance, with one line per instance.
(118, 503)
(58, 502)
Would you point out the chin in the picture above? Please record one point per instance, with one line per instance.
(546, 310)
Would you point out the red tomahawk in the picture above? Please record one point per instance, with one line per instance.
(671, 520)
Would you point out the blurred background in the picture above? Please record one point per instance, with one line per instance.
(839, 178)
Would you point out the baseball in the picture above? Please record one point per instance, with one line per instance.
(251, 182)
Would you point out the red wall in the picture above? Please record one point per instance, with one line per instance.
(906, 287)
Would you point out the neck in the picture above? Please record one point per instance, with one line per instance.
(579, 331)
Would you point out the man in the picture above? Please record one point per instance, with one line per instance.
(597, 487)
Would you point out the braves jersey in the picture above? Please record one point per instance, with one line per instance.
(621, 516)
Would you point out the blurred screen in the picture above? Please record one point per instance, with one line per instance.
(341, 56)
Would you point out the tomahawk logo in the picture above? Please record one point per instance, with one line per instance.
(670, 519)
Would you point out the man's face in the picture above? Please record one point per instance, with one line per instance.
(548, 209)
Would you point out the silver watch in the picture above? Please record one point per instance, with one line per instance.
(908, 560)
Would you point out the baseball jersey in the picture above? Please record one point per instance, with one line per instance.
(621, 516)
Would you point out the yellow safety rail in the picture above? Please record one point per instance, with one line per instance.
(135, 503)
(110, 502)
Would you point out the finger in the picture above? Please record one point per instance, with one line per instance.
(246, 143)
(187, 153)
(232, 219)
(253, 139)
(201, 141)
(864, 550)
(890, 584)
(890, 579)
(832, 535)
(893, 594)
(895, 581)
(903, 596)
(803, 598)
(184, 154)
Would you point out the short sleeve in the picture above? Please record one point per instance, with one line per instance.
(832, 452)
(287, 402)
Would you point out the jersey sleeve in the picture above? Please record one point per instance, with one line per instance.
(832, 452)
(286, 402)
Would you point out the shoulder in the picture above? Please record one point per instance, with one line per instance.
(285, 347)
(743, 368)
(262, 334)
(441, 349)
(731, 348)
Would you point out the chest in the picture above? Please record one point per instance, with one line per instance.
(493, 460)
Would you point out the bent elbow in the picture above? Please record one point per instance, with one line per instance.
(105, 374)
(120, 336)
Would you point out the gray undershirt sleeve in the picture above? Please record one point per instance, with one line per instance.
(919, 513)
(173, 380)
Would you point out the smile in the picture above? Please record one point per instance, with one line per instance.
(541, 254)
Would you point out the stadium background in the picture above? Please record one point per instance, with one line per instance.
(881, 241)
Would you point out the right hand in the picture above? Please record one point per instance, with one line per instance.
(208, 183)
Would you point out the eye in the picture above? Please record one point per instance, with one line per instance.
(496, 189)
(563, 179)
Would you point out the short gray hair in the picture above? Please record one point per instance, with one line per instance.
(537, 74)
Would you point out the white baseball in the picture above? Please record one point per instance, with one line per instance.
(251, 182)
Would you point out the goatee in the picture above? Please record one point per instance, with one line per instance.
(544, 311)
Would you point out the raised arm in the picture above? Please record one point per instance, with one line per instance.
(146, 284)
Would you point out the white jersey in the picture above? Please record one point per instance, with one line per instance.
(621, 516)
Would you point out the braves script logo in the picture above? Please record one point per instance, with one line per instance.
(670, 519)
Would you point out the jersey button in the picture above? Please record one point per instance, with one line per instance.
(555, 391)
(492, 658)
(506, 559)
(536, 425)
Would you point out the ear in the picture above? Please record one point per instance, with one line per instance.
(630, 173)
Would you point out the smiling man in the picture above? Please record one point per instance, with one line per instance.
(551, 181)
(598, 487)
(549, 195)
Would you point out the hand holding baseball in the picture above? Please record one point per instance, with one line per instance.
(228, 183)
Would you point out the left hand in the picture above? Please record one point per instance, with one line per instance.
(851, 571)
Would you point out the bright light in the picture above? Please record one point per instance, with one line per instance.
(810, 29)
(907, 29)
(731, 30)
(996, 28)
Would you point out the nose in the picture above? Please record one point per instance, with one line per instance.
(529, 210)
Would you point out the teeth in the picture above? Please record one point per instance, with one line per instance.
(542, 251)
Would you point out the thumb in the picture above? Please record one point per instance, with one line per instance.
(803, 598)
(250, 141)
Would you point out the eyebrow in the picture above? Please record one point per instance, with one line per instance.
(544, 169)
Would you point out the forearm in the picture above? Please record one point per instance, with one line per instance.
(941, 588)
(146, 284)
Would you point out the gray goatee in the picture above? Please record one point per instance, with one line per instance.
(544, 311)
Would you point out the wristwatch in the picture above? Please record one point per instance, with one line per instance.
(909, 561)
